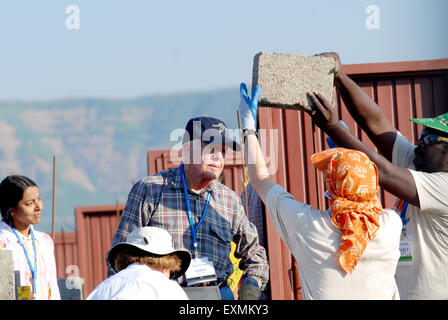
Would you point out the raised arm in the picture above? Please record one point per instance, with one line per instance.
(256, 164)
(367, 114)
(396, 180)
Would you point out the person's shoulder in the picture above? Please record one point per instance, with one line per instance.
(151, 184)
(401, 139)
(432, 188)
(439, 179)
(103, 290)
(159, 178)
(221, 190)
(43, 237)
(3, 229)
(222, 187)
(438, 174)
(6, 235)
(277, 194)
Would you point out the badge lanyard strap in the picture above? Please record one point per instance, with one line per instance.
(33, 270)
(193, 228)
(403, 217)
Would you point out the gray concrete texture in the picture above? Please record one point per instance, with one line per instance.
(285, 79)
(7, 276)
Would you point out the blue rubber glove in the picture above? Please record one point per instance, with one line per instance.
(248, 107)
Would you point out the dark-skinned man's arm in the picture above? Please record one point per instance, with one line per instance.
(367, 114)
(396, 180)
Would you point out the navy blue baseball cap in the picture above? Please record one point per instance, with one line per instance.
(209, 130)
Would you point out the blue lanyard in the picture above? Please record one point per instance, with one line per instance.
(33, 270)
(403, 217)
(194, 228)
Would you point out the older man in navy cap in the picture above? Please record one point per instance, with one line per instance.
(202, 215)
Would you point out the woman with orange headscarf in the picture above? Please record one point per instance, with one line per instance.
(349, 251)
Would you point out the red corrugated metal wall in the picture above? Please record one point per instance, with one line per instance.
(95, 229)
(66, 252)
(403, 90)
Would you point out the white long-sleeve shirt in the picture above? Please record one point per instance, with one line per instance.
(46, 282)
(314, 241)
(138, 282)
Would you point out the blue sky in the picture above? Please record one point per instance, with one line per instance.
(133, 48)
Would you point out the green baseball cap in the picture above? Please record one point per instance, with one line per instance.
(438, 123)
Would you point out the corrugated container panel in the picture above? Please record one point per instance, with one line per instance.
(66, 252)
(403, 90)
(281, 284)
(95, 228)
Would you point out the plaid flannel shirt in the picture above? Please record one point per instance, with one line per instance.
(225, 221)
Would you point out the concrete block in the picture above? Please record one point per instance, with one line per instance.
(286, 78)
(7, 276)
(17, 278)
(71, 288)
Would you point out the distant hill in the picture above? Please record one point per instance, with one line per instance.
(100, 145)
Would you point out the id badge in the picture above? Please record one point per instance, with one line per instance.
(200, 270)
(406, 252)
(24, 293)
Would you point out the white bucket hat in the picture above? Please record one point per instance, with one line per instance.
(152, 240)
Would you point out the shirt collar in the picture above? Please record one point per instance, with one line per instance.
(7, 231)
(174, 180)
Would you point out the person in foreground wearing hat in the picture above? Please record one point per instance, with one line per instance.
(349, 251)
(145, 264)
(416, 174)
(201, 214)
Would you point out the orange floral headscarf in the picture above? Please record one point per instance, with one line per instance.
(352, 181)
